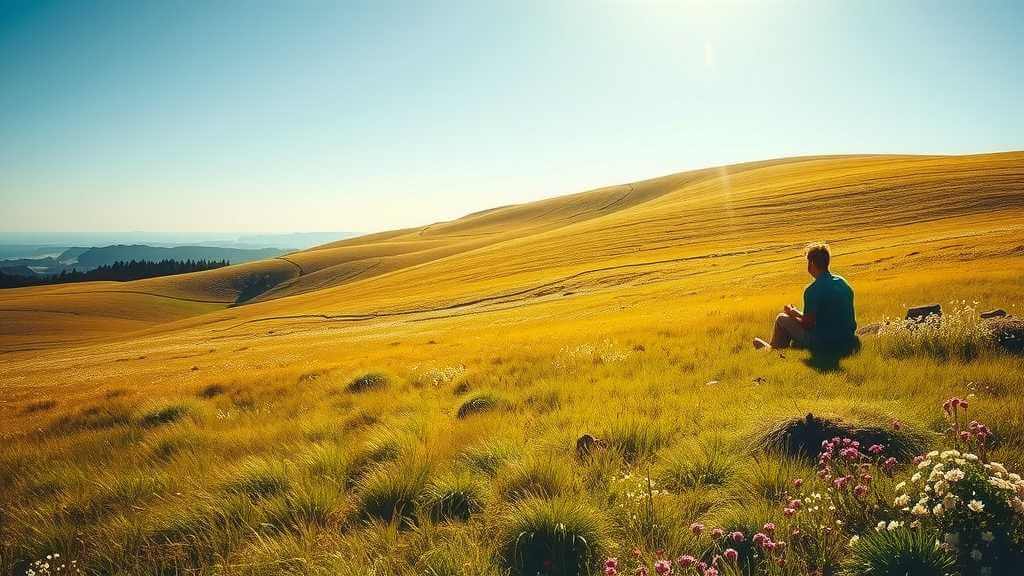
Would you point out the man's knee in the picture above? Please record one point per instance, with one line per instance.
(781, 319)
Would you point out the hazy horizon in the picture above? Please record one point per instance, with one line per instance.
(290, 117)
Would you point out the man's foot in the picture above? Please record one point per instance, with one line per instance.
(760, 344)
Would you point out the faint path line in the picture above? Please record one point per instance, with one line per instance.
(139, 292)
(293, 263)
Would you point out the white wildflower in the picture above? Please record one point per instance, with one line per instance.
(976, 505)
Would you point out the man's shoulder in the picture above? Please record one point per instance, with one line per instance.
(841, 280)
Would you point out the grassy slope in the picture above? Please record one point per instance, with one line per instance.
(608, 319)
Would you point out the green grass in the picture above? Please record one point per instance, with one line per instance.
(265, 476)
(902, 551)
(480, 403)
(392, 492)
(559, 537)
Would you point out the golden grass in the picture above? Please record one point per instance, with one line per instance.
(207, 439)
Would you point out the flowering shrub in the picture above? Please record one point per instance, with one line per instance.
(974, 507)
(956, 512)
(52, 564)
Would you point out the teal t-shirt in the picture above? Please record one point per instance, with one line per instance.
(830, 299)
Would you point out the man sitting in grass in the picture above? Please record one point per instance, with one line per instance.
(827, 323)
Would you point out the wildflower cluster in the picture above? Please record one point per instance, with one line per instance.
(976, 508)
(604, 352)
(51, 565)
(973, 435)
(721, 555)
(867, 512)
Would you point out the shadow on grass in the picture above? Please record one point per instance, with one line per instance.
(829, 360)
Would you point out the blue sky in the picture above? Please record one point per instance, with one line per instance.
(312, 115)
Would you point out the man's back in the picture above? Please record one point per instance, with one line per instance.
(830, 299)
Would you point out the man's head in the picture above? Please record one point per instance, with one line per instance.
(818, 257)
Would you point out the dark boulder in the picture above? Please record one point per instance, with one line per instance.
(922, 313)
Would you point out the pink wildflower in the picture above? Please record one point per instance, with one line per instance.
(717, 533)
(697, 528)
(686, 561)
(609, 571)
(798, 482)
(663, 567)
(611, 563)
(860, 490)
(730, 554)
(736, 536)
(876, 449)
(788, 512)
(769, 528)
(711, 572)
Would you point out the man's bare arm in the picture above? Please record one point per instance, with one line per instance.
(805, 320)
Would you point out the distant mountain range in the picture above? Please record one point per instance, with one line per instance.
(84, 259)
(41, 244)
(94, 257)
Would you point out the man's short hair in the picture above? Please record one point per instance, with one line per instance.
(819, 253)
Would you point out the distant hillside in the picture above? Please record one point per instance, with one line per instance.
(107, 255)
(72, 254)
(20, 271)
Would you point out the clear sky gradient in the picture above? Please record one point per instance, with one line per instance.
(313, 115)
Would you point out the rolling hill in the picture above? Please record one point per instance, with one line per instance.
(318, 412)
(693, 225)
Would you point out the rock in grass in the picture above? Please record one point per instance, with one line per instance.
(802, 436)
(588, 444)
(997, 313)
(870, 329)
(1008, 333)
(921, 313)
(370, 381)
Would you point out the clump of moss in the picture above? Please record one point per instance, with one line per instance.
(369, 381)
(480, 403)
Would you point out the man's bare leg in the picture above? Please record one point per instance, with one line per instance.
(784, 332)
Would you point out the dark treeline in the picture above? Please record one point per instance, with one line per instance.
(118, 271)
